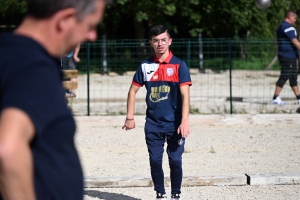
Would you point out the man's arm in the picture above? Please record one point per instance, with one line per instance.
(296, 43)
(184, 127)
(16, 162)
(129, 122)
(76, 51)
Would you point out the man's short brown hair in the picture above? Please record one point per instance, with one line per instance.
(46, 8)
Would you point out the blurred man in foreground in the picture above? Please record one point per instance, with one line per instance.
(38, 158)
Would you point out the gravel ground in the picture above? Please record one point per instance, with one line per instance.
(218, 145)
(282, 192)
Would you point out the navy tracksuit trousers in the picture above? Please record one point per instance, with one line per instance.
(155, 139)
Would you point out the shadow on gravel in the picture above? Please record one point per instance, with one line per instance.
(107, 195)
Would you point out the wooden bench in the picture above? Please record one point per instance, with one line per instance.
(68, 84)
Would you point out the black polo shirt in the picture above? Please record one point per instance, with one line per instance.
(31, 80)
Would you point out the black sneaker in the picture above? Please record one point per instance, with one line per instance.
(175, 197)
(160, 196)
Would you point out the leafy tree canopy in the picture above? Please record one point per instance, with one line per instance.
(187, 18)
(126, 19)
(10, 8)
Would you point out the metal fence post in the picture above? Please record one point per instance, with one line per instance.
(230, 74)
(104, 70)
(88, 59)
(201, 53)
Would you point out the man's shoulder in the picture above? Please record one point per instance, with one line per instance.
(12, 40)
(285, 25)
(176, 60)
(148, 60)
(21, 49)
(15, 41)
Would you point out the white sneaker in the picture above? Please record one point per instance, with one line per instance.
(299, 101)
(278, 101)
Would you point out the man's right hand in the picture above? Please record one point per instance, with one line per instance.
(129, 124)
(76, 58)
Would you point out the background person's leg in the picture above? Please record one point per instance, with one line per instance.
(284, 76)
(65, 63)
(294, 77)
(277, 91)
(72, 66)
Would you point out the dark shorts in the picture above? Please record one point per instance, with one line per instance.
(68, 63)
(289, 71)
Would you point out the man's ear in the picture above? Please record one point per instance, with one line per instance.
(150, 42)
(170, 41)
(65, 19)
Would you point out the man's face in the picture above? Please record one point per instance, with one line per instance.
(86, 28)
(293, 18)
(161, 43)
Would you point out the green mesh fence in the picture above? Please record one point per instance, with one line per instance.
(229, 76)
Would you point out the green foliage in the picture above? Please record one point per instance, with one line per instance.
(213, 18)
(140, 16)
(121, 2)
(12, 7)
(170, 9)
(195, 32)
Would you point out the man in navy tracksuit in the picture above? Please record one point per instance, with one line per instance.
(167, 80)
